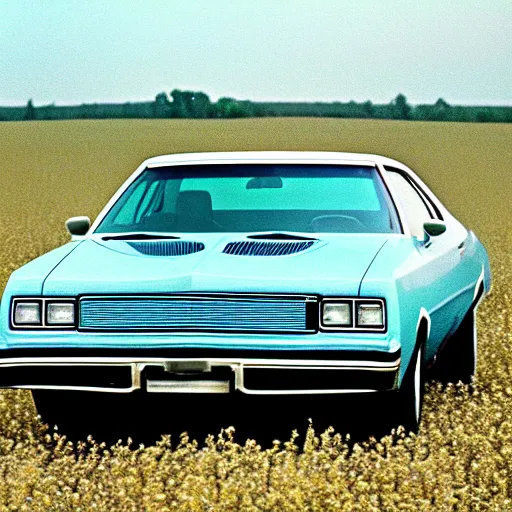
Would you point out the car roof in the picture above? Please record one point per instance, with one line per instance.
(266, 156)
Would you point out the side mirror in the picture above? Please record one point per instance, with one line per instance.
(78, 225)
(434, 228)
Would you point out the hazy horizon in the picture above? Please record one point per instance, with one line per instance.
(271, 100)
(73, 52)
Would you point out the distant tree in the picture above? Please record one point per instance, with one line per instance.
(126, 111)
(402, 108)
(187, 97)
(368, 108)
(231, 108)
(440, 104)
(179, 108)
(484, 115)
(223, 107)
(161, 107)
(30, 111)
(200, 106)
(507, 115)
(350, 110)
(191, 104)
(258, 110)
(441, 110)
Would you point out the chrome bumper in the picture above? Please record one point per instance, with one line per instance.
(199, 375)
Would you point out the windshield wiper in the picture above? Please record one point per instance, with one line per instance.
(279, 236)
(139, 236)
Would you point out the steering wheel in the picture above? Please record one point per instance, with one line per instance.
(317, 221)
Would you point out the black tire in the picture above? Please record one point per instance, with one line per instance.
(458, 358)
(410, 395)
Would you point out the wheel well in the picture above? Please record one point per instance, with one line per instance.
(478, 295)
(422, 333)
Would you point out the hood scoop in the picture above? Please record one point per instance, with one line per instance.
(267, 248)
(279, 236)
(167, 248)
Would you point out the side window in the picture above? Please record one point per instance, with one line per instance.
(413, 205)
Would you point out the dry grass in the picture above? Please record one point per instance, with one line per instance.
(462, 458)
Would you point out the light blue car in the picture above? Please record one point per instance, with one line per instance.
(267, 273)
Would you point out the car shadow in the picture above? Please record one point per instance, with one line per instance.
(146, 417)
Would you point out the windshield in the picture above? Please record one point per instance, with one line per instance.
(254, 197)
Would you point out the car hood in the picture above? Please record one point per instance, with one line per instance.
(332, 265)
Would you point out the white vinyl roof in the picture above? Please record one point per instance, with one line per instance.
(266, 156)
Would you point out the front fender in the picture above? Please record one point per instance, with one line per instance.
(398, 282)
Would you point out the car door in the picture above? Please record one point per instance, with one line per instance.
(447, 275)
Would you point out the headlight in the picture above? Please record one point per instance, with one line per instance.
(60, 313)
(337, 314)
(43, 313)
(352, 314)
(370, 315)
(27, 313)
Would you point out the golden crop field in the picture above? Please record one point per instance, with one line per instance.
(462, 457)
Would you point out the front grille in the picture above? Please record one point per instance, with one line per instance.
(264, 248)
(199, 313)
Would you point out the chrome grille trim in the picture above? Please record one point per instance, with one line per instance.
(202, 313)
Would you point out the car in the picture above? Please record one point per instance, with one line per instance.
(259, 273)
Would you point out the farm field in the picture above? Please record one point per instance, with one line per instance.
(462, 457)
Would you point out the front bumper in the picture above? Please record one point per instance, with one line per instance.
(214, 371)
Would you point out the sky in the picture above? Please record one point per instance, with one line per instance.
(72, 52)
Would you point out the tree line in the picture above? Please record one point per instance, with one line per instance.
(180, 104)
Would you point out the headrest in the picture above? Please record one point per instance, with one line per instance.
(194, 203)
